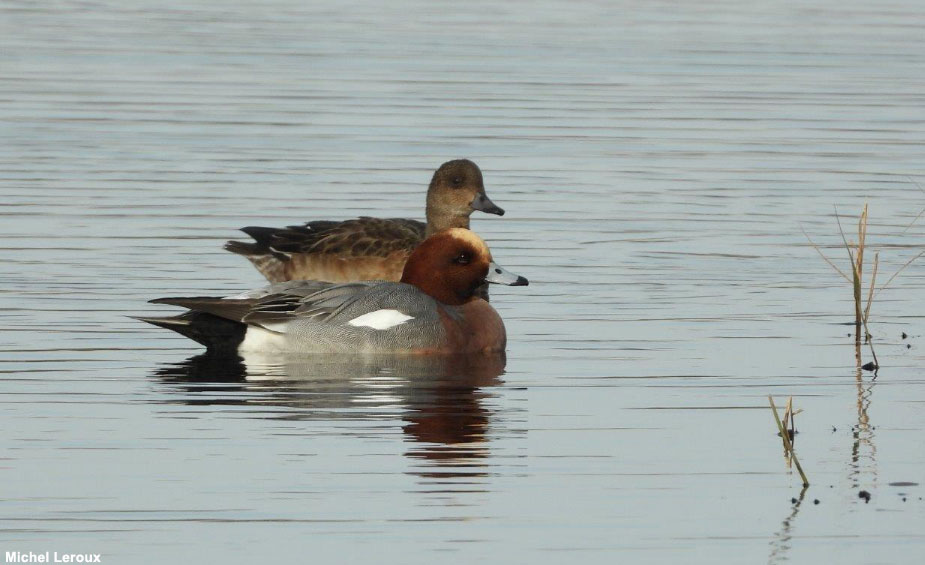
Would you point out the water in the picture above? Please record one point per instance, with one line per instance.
(657, 162)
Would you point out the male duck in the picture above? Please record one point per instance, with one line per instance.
(432, 310)
(366, 248)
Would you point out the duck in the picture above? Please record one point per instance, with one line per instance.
(433, 309)
(366, 248)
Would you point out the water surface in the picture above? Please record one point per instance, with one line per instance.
(657, 162)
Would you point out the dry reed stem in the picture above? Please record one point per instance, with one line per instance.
(787, 445)
(870, 298)
(856, 258)
(785, 420)
(793, 422)
(855, 269)
(859, 273)
(870, 292)
(788, 411)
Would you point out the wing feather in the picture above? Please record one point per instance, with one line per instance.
(362, 237)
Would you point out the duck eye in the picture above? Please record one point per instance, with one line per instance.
(462, 259)
(457, 180)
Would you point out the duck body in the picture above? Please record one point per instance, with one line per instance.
(366, 248)
(433, 310)
(361, 249)
(365, 317)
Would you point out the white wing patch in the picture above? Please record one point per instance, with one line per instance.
(381, 319)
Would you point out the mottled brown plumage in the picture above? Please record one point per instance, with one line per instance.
(366, 248)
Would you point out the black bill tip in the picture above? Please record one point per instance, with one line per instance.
(499, 275)
(483, 204)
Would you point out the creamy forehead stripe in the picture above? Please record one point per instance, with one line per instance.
(469, 237)
(381, 319)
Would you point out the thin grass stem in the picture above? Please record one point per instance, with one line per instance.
(912, 223)
(901, 269)
(824, 258)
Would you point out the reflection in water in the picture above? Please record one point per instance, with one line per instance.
(780, 545)
(452, 428)
(863, 446)
(440, 398)
(863, 458)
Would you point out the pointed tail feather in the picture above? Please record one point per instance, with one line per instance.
(218, 335)
(227, 308)
(270, 263)
(247, 249)
(263, 236)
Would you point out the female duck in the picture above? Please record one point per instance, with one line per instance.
(432, 310)
(366, 248)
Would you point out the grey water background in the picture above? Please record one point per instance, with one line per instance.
(657, 161)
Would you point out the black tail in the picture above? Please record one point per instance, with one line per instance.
(263, 236)
(220, 336)
(247, 249)
(263, 243)
(270, 251)
(280, 241)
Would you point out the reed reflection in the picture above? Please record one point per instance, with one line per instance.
(863, 446)
(441, 399)
(783, 538)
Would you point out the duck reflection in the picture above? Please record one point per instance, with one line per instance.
(440, 399)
